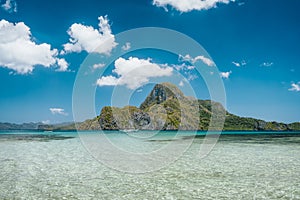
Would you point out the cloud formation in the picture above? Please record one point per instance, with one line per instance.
(134, 72)
(189, 5)
(239, 64)
(188, 58)
(86, 38)
(295, 87)
(62, 64)
(98, 65)
(236, 64)
(126, 46)
(186, 69)
(59, 111)
(225, 74)
(19, 52)
(46, 121)
(266, 64)
(9, 6)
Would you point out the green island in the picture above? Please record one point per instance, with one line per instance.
(162, 110)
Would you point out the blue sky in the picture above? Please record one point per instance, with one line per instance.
(253, 43)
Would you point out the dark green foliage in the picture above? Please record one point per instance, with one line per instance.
(294, 126)
(233, 122)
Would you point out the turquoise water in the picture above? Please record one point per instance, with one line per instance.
(37, 165)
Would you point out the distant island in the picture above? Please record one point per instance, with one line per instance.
(161, 110)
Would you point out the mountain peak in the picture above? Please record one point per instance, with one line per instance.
(160, 93)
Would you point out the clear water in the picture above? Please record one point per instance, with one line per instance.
(35, 166)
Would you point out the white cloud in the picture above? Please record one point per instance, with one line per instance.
(225, 74)
(126, 46)
(185, 69)
(181, 84)
(62, 64)
(181, 67)
(243, 63)
(46, 121)
(192, 60)
(236, 64)
(191, 76)
(86, 38)
(266, 64)
(19, 52)
(189, 5)
(98, 65)
(241, 3)
(9, 6)
(189, 67)
(239, 64)
(295, 87)
(134, 72)
(59, 111)
(107, 81)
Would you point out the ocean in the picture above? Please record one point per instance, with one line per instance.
(149, 165)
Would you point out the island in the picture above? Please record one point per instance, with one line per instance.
(162, 110)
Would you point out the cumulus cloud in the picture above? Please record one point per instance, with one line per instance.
(19, 52)
(59, 111)
(134, 72)
(62, 64)
(295, 87)
(98, 65)
(9, 6)
(86, 38)
(108, 81)
(266, 64)
(189, 5)
(225, 74)
(192, 60)
(126, 46)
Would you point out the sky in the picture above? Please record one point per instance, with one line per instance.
(252, 46)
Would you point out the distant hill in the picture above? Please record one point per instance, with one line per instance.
(24, 126)
(162, 110)
(67, 126)
(36, 126)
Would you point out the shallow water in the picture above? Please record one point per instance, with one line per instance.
(47, 166)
